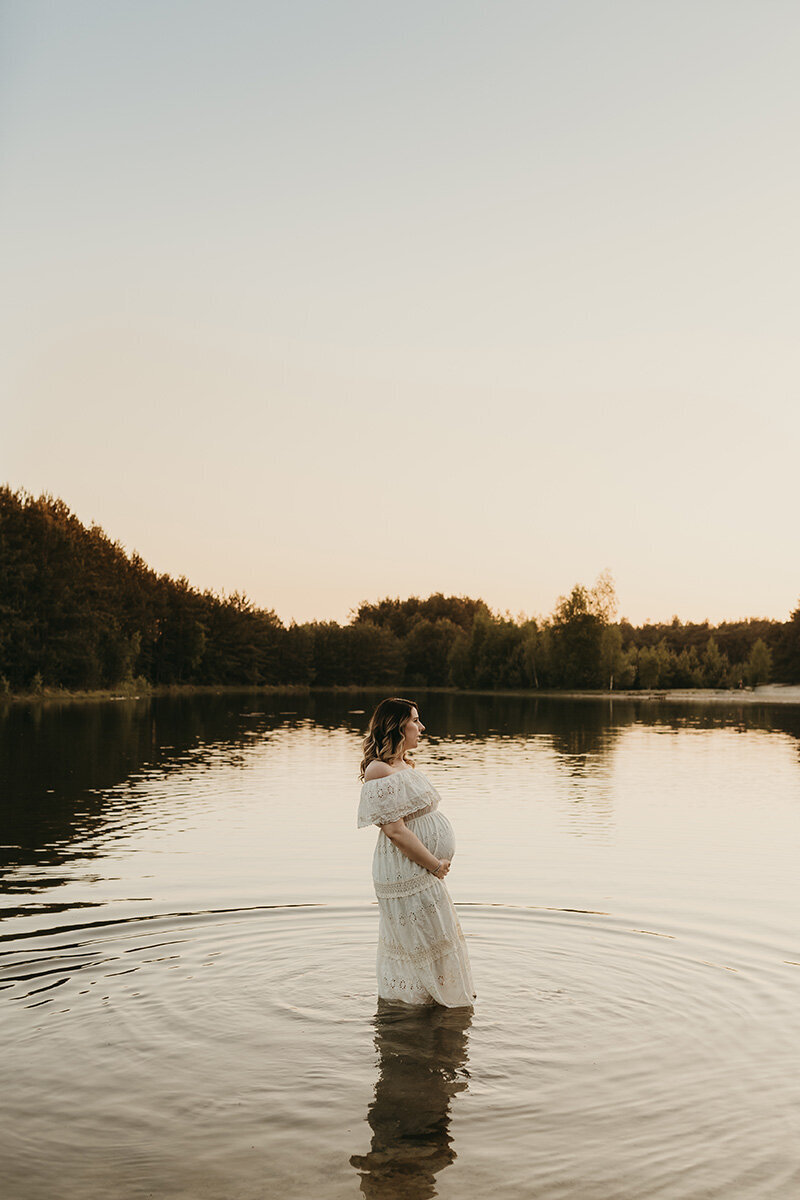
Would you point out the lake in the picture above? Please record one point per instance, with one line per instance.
(187, 997)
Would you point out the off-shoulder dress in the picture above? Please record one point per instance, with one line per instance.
(422, 956)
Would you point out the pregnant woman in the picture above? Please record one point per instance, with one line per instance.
(422, 956)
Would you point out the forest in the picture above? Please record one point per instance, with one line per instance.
(77, 612)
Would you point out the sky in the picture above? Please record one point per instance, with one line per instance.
(330, 301)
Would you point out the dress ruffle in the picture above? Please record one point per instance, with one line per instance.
(395, 796)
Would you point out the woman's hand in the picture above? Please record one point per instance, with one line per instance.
(406, 841)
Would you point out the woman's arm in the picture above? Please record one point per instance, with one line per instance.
(401, 836)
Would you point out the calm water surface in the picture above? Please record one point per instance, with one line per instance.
(187, 1000)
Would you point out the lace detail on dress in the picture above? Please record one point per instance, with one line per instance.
(410, 990)
(422, 954)
(401, 808)
(406, 887)
(395, 796)
(397, 987)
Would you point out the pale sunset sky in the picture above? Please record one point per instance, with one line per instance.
(328, 301)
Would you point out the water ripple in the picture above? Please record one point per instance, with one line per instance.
(639, 1061)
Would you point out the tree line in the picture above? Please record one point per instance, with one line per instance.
(78, 612)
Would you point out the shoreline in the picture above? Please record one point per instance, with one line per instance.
(770, 693)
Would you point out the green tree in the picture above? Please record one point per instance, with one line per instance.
(648, 667)
(401, 615)
(625, 673)
(736, 674)
(759, 664)
(617, 666)
(297, 655)
(530, 653)
(375, 655)
(500, 660)
(714, 666)
(427, 649)
(788, 649)
(459, 666)
(330, 656)
(688, 672)
(578, 623)
(603, 598)
(667, 664)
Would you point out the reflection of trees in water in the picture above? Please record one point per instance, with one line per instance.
(583, 736)
(422, 1057)
(479, 716)
(772, 718)
(59, 761)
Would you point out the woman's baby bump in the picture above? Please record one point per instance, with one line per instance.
(435, 832)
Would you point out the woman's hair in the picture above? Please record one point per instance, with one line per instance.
(386, 731)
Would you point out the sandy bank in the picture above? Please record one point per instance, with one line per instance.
(770, 693)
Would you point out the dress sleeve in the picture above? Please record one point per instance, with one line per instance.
(384, 800)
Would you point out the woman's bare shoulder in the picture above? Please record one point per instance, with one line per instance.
(377, 770)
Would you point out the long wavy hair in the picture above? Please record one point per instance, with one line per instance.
(386, 731)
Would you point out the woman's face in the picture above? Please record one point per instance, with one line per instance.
(413, 730)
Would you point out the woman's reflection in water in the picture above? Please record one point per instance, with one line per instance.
(422, 1056)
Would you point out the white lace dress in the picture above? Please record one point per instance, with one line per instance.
(422, 955)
